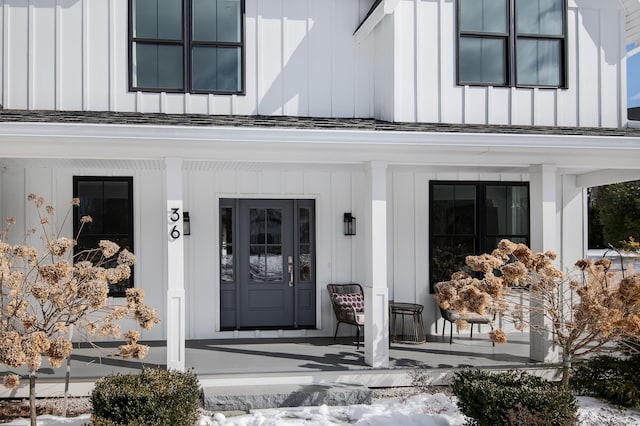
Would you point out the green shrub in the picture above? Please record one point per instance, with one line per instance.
(153, 397)
(512, 398)
(613, 379)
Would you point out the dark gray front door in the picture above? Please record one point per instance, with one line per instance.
(267, 271)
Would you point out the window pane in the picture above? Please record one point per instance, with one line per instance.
(305, 225)
(91, 204)
(226, 263)
(507, 210)
(216, 68)
(538, 62)
(448, 255)
(274, 263)
(216, 20)
(453, 209)
(305, 262)
(539, 17)
(483, 16)
(157, 66)
(482, 60)
(158, 19)
(116, 204)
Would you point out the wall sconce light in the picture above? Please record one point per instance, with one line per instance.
(186, 224)
(349, 224)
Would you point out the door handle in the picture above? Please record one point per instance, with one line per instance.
(290, 269)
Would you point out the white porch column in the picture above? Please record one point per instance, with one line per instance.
(175, 321)
(544, 236)
(376, 329)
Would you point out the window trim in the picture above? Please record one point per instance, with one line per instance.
(480, 215)
(511, 48)
(76, 214)
(188, 44)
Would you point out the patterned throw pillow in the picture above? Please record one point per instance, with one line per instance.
(350, 299)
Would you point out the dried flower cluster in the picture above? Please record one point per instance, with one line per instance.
(584, 312)
(44, 293)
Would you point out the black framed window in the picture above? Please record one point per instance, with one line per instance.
(470, 218)
(109, 202)
(512, 43)
(194, 46)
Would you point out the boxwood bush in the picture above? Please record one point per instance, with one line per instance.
(152, 397)
(512, 398)
(613, 379)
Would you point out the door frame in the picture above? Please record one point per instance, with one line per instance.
(314, 293)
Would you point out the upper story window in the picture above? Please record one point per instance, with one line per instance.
(512, 43)
(191, 46)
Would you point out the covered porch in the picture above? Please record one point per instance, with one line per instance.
(221, 363)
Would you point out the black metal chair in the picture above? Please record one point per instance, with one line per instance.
(347, 301)
(470, 317)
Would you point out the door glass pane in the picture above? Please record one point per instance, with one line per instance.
(538, 62)
(483, 16)
(305, 262)
(157, 66)
(274, 264)
(216, 20)
(257, 263)
(482, 60)
(158, 19)
(226, 243)
(304, 243)
(274, 226)
(539, 17)
(257, 226)
(216, 68)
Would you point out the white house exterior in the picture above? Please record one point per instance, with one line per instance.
(294, 112)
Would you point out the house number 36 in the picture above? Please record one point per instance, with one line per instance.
(174, 217)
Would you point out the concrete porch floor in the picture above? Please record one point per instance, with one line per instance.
(251, 362)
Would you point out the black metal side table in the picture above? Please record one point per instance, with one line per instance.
(409, 328)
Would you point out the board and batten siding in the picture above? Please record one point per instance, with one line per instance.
(301, 60)
(424, 75)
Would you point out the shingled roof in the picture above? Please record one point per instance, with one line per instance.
(259, 121)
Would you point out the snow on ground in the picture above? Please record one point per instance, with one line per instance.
(423, 409)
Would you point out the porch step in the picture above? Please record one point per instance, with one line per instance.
(245, 398)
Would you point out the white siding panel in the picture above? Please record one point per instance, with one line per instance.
(97, 51)
(589, 67)
(499, 105)
(202, 281)
(428, 61)
(17, 54)
(43, 61)
(384, 74)
(225, 182)
(70, 47)
(271, 182)
(475, 105)
(364, 81)
(521, 106)
(344, 21)
(610, 69)
(248, 183)
(248, 104)
(451, 100)
(403, 252)
(295, 58)
(405, 63)
(544, 107)
(294, 182)
(342, 250)
(319, 42)
(270, 60)
(567, 109)
(3, 61)
(122, 99)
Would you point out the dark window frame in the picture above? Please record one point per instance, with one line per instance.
(480, 232)
(187, 43)
(130, 234)
(510, 55)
